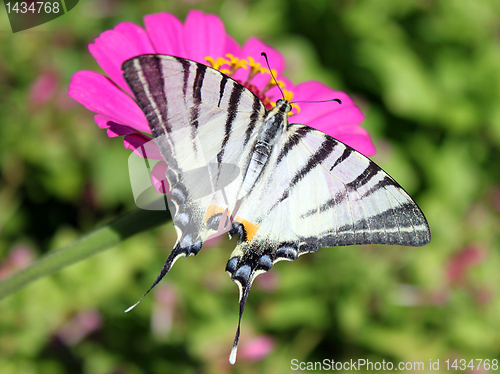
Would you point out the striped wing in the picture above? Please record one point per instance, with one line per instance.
(350, 200)
(202, 122)
(318, 192)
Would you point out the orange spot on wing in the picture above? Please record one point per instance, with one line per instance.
(250, 227)
(213, 210)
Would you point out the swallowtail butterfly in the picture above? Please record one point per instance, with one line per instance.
(285, 189)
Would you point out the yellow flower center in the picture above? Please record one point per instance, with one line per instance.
(231, 64)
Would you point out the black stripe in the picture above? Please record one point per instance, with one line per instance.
(231, 116)
(364, 177)
(388, 219)
(342, 157)
(152, 71)
(197, 85)
(257, 105)
(386, 181)
(186, 66)
(293, 140)
(222, 87)
(403, 216)
(330, 203)
(198, 82)
(319, 156)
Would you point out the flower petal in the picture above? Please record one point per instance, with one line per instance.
(253, 48)
(142, 145)
(316, 91)
(158, 177)
(349, 116)
(354, 136)
(98, 94)
(113, 129)
(360, 142)
(137, 36)
(204, 35)
(166, 33)
(231, 47)
(113, 47)
(340, 121)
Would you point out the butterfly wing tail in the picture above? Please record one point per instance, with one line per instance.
(176, 253)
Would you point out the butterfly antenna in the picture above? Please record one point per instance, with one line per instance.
(275, 80)
(318, 101)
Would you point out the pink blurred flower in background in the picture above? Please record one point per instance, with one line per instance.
(19, 257)
(267, 281)
(47, 87)
(257, 348)
(44, 88)
(80, 326)
(460, 263)
(165, 303)
(202, 38)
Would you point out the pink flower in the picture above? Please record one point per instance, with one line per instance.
(460, 263)
(268, 281)
(18, 258)
(257, 348)
(165, 303)
(44, 88)
(80, 326)
(202, 38)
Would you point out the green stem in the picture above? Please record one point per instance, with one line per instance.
(88, 245)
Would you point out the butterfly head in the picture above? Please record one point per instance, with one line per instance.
(277, 117)
(283, 106)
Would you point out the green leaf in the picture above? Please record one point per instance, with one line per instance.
(88, 245)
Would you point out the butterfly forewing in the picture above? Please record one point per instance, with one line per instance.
(350, 200)
(324, 194)
(199, 117)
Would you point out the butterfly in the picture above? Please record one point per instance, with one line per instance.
(285, 189)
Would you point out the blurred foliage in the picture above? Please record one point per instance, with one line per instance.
(426, 74)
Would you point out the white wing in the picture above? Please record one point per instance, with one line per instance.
(203, 123)
(318, 192)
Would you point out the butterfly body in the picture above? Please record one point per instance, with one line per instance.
(233, 166)
(274, 126)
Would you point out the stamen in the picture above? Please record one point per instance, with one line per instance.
(272, 83)
(288, 94)
(255, 68)
(231, 64)
(216, 64)
(297, 108)
(236, 63)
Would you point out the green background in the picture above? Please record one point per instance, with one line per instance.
(427, 76)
